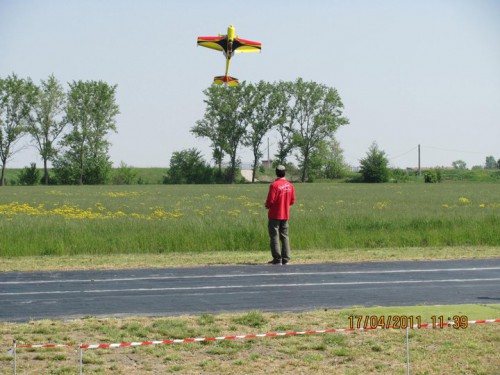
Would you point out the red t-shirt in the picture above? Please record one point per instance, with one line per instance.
(279, 199)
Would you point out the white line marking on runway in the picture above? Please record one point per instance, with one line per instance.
(248, 286)
(245, 275)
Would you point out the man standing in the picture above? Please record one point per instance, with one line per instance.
(279, 199)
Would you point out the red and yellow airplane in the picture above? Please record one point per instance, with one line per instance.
(229, 45)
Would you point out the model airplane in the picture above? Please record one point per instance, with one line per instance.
(229, 45)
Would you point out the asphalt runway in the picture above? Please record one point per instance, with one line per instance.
(26, 296)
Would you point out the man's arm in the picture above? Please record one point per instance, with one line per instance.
(271, 196)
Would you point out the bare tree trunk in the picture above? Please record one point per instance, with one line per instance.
(2, 177)
(305, 167)
(232, 176)
(254, 169)
(45, 171)
(80, 178)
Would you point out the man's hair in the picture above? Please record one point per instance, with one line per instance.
(280, 173)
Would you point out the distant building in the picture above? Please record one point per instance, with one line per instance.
(267, 163)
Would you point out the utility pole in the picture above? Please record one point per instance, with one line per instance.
(419, 170)
(268, 157)
(268, 160)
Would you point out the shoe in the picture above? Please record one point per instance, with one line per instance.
(274, 261)
(284, 262)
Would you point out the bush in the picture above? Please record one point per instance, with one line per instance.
(96, 171)
(374, 168)
(188, 167)
(399, 175)
(124, 175)
(29, 175)
(495, 175)
(433, 176)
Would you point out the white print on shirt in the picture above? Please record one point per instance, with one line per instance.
(285, 188)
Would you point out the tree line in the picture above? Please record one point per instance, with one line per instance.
(303, 115)
(68, 128)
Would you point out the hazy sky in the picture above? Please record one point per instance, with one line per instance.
(408, 72)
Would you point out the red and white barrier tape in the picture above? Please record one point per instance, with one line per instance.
(250, 336)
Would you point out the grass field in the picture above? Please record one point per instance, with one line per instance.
(158, 219)
(83, 227)
(471, 350)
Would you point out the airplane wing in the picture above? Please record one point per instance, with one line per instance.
(244, 46)
(218, 43)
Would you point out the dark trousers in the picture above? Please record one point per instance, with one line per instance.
(278, 232)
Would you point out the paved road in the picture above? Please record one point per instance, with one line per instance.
(159, 292)
(247, 174)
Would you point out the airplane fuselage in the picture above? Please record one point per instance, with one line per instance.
(229, 51)
(231, 35)
(229, 44)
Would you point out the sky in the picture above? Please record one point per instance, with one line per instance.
(408, 72)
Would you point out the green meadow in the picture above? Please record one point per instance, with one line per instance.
(69, 227)
(196, 219)
(468, 350)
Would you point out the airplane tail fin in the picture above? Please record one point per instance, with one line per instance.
(229, 81)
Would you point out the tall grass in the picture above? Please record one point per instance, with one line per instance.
(67, 220)
(143, 176)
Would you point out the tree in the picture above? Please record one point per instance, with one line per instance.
(266, 104)
(316, 114)
(284, 122)
(188, 167)
(29, 175)
(209, 127)
(124, 175)
(91, 111)
(459, 164)
(490, 163)
(47, 123)
(334, 165)
(374, 168)
(327, 161)
(304, 114)
(235, 111)
(224, 122)
(15, 96)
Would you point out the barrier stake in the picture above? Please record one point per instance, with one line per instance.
(407, 353)
(81, 358)
(14, 354)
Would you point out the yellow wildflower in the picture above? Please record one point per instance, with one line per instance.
(463, 200)
(380, 205)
